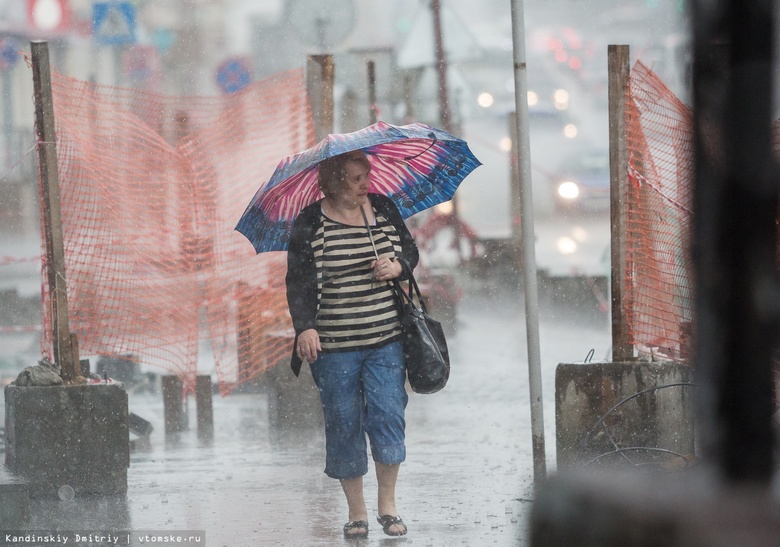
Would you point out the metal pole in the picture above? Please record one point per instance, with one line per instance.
(528, 253)
(618, 70)
(50, 209)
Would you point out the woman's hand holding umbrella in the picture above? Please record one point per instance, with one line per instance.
(386, 269)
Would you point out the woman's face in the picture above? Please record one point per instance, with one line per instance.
(353, 190)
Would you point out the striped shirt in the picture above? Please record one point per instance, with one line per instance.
(355, 310)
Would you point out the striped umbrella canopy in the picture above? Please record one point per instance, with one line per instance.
(415, 165)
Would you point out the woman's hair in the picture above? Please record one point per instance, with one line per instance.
(331, 171)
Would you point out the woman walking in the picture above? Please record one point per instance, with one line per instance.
(347, 328)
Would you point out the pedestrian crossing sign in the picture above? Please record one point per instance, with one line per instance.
(113, 23)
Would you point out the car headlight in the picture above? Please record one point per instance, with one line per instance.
(566, 245)
(568, 190)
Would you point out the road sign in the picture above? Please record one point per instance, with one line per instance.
(113, 23)
(9, 53)
(233, 74)
(49, 16)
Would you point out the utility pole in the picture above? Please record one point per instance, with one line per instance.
(441, 67)
(445, 115)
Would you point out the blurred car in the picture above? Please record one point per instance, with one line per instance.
(581, 183)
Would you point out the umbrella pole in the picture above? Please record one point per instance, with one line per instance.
(529, 256)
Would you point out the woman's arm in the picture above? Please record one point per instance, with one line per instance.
(301, 276)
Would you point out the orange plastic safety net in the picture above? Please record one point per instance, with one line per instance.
(151, 189)
(658, 282)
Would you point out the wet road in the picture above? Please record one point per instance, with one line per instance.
(467, 479)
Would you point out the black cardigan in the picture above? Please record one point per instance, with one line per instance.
(302, 297)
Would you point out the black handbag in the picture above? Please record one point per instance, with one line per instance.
(425, 347)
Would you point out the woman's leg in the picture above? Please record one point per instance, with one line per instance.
(353, 489)
(337, 377)
(386, 477)
(384, 380)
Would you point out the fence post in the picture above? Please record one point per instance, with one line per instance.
(619, 71)
(50, 209)
(320, 75)
(372, 106)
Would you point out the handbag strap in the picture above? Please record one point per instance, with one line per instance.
(414, 289)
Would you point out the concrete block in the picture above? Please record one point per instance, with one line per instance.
(204, 405)
(14, 501)
(68, 435)
(293, 402)
(649, 427)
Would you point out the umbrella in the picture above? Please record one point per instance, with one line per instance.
(415, 165)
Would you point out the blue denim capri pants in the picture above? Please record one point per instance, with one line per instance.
(362, 392)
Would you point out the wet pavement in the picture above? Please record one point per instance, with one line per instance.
(467, 480)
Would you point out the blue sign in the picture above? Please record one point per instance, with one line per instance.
(233, 75)
(9, 53)
(113, 23)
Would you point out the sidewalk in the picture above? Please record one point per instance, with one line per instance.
(466, 480)
(253, 486)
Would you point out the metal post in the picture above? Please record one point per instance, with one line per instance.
(320, 75)
(50, 209)
(735, 235)
(516, 245)
(618, 74)
(529, 254)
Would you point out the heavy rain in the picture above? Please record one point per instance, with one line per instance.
(171, 114)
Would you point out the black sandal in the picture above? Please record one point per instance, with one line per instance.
(356, 524)
(389, 520)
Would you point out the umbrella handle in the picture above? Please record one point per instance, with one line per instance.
(368, 229)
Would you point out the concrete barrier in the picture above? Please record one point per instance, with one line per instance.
(637, 412)
(14, 501)
(68, 435)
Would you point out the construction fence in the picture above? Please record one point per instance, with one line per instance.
(152, 187)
